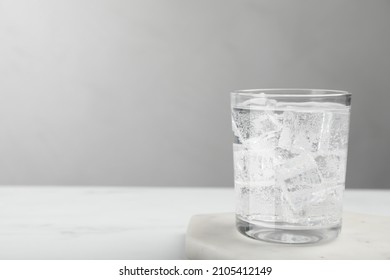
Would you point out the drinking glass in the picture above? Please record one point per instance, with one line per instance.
(290, 156)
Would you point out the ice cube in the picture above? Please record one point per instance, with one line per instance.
(242, 197)
(285, 139)
(324, 135)
(287, 130)
(252, 165)
(237, 132)
(261, 101)
(258, 199)
(327, 193)
(250, 126)
(303, 141)
(297, 178)
(294, 199)
(302, 129)
(241, 124)
(329, 166)
(283, 155)
(299, 168)
(314, 129)
(332, 167)
(265, 122)
(339, 131)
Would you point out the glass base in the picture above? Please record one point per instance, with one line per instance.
(279, 234)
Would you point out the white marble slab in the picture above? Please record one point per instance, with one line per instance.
(214, 236)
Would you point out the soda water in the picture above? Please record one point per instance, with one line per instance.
(289, 168)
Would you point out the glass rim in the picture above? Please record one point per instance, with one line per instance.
(292, 92)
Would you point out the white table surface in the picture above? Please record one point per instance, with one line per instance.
(55, 222)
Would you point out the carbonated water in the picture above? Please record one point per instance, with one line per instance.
(289, 168)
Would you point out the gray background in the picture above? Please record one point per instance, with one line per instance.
(115, 92)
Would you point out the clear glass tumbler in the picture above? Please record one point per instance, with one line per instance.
(290, 156)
